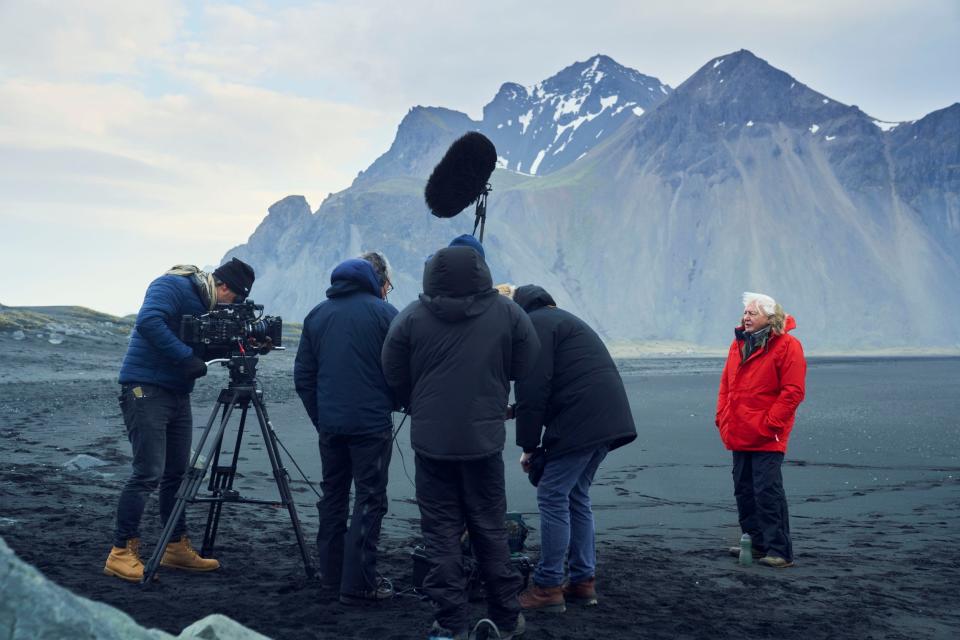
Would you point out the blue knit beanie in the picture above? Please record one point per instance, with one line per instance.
(466, 240)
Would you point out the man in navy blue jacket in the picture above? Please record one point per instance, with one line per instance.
(339, 379)
(156, 379)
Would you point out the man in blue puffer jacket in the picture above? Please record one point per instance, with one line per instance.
(339, 379)
(156, 379)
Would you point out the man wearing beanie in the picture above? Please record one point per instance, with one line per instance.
(450, 356)
(156, 379)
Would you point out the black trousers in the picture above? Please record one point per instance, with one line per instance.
(160, 426)
(348, 558)
(761, 501)
(470, 495)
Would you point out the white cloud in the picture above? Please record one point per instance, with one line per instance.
(63, 38)
(169, 127)
(223, 139)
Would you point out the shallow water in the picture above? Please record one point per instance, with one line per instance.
(873, 435)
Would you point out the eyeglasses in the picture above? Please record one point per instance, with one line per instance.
(389, 287)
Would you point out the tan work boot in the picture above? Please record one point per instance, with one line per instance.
(124, 562)
(543, 598)
(180, 555)
(584, 593)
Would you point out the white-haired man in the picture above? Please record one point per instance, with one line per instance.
(760, 389)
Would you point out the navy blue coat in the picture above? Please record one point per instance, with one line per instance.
(156, 354)
(337, 371)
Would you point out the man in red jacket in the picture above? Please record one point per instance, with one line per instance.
(760, 389)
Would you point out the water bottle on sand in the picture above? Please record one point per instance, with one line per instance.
(746, 550)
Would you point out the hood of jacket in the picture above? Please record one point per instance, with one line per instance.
(457, 284)
(351, 276)
(531, 297)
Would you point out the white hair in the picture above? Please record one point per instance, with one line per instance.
(381, 266)
(764, 303)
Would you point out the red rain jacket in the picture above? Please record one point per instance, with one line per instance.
(759, 397)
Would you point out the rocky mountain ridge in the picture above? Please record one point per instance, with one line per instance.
(743, 178)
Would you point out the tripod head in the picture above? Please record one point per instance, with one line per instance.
(243, 368)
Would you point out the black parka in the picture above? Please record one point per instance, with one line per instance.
(574, 390)
(451, 355)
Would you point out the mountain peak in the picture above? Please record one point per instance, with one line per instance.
(592, 71)
(740, 88)
(547, 126)
(741, 66)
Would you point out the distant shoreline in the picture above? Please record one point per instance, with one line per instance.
(60, 319)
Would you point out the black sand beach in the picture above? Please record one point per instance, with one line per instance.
(872, 478)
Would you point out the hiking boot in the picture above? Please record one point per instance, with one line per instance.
(757, 554)
(440, 633)
(543, 598)
(383, 591)
(124, 562)
(775, 561)
(518, 629)
(486, 629)
(181, 555)
(584, 593)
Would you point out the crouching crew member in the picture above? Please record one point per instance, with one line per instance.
(156, 379)
(575, 397)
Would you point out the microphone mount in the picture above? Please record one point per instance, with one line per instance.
(481, 211)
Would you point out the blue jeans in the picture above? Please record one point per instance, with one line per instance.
(566, 519)
(159, 425)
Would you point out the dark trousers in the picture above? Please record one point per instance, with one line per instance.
(470, 495)
(159, 426)
(761, 501)
(348, 558)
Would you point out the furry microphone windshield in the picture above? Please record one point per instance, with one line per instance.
(461, 176)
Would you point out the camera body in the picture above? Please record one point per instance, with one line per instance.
(222, 331)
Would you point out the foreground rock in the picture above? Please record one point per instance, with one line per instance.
(34, 608)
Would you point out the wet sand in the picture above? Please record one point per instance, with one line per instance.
(871, 475)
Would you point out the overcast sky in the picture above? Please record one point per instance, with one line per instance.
(137, 135)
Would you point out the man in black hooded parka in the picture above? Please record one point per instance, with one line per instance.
(574, 396)
(451, 355)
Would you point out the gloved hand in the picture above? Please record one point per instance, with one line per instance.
(263, 348)
(194, 367)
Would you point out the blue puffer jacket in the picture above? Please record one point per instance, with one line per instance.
(155, 354)
(337, 371)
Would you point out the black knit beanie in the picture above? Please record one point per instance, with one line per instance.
(237, 275)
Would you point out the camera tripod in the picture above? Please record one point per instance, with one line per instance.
(242, 392)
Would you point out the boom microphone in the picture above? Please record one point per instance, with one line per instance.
(461, 176)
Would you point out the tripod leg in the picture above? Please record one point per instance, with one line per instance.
(192, 480)
(216, 456)
(221, 481)
(212, 486)
(283, 480)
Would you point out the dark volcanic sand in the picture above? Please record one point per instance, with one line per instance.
(872, 477)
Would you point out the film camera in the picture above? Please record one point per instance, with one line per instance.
(228, 329)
